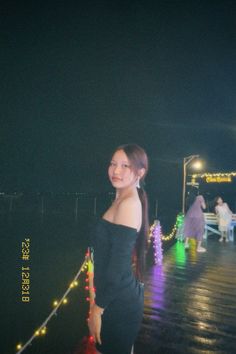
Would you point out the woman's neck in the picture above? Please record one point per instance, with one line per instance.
(126, 192)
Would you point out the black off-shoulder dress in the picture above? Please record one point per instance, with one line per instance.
(117, 289)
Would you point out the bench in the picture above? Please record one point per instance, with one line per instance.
(211, 220)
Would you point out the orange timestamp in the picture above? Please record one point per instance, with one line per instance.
(25, 270)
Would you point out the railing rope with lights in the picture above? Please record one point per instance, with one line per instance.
(156, 236)
(87, 264)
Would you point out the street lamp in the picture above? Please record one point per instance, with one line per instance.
(197, 165)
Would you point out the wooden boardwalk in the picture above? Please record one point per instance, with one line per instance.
(190, 302)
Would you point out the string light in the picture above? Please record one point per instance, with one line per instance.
(170, 236)
(220, 177)
(90, 288)
(156, 235)
(180, 227)
(42, 330)
(157, 242)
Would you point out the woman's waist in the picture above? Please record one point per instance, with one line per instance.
(128, 281)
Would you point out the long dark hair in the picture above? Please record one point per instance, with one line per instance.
(192, 195)
(138, 158)
(216, 200)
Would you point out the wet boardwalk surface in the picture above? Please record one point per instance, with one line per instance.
(190, 302)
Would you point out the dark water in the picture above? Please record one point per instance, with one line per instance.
(57, 249)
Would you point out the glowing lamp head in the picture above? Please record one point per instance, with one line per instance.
(197, 165)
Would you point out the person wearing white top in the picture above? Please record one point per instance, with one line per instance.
(224, 216)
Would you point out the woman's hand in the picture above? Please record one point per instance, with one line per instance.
(95, 322)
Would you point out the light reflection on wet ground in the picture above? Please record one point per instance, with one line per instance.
(190, 302)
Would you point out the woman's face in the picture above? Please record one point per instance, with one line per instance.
(220, 201)
(120, 171)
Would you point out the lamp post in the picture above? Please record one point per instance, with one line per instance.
(186, 161)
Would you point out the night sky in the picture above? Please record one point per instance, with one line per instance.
(79, 78)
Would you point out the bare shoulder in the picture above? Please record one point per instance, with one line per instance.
(129, 213)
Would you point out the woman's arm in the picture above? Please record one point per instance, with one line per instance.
(95, 322)
(202, 201)
(230, 211)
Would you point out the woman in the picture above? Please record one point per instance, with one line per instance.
(120, 235)
(194, 223)
(224, 215)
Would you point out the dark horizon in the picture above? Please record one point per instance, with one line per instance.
(80, 79)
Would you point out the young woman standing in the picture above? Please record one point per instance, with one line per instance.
(120, 237)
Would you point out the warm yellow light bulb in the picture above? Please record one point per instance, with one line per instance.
(44, 330)
(55, 303)
(19, 346)
(65, 301)
(37, 333)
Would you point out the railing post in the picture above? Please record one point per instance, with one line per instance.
(11, 204)
(95, 206)
(156, 207)
(76, 207)
(42, 205)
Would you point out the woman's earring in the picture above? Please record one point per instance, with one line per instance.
(137, 183)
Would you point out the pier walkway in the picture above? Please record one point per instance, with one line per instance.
(190, 301)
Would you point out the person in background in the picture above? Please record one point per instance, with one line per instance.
(194, 222)
(120, 237)
(224, 217)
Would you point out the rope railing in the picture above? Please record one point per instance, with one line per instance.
(177, 226)
(43, 327)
